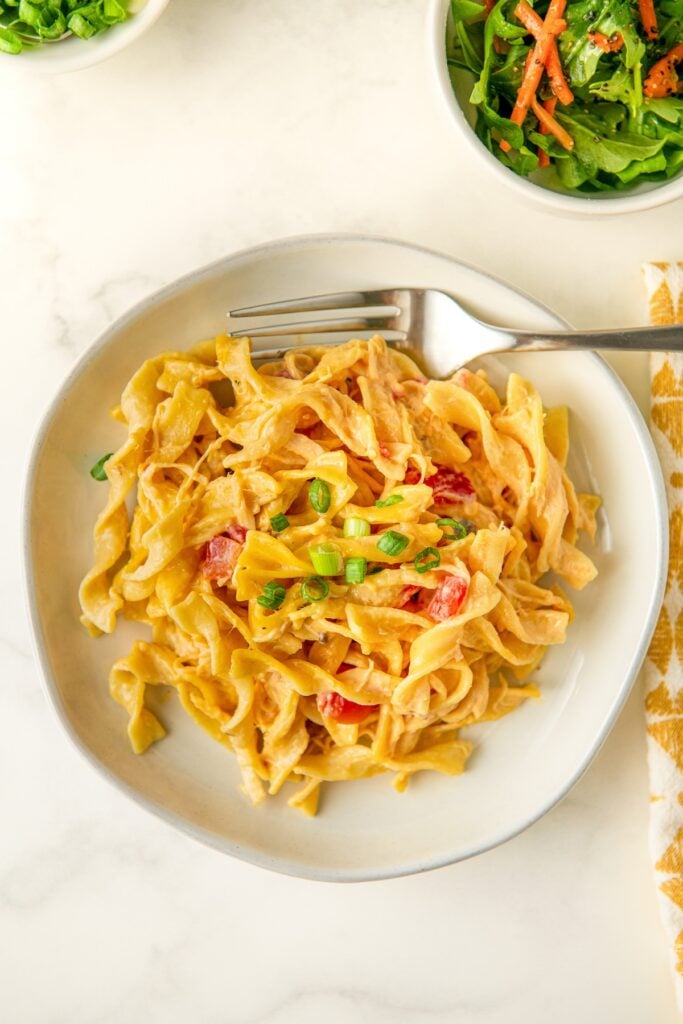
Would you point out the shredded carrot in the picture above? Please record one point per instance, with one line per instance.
(558, 81)
(553, 126)
(663, 79)
(534, 24)
(532, 75)
(648, 16)
(609, 44)
(543, 158)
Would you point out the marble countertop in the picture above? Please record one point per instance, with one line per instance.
(256, 121)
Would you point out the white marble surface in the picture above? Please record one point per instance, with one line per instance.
(265, 118)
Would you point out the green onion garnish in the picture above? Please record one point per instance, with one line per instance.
(10, 42)
(354, 526)
(393, 499)
(455, 529)
(355, 570)
(98, 472)
(319, 496)
(273, 595)
(279, 522)
(393, 543)
(327, 559)
(428, 558)
(314, 589)
(38, 20)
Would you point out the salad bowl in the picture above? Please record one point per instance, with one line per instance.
(455, 88)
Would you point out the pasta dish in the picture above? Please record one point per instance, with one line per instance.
(340, 563)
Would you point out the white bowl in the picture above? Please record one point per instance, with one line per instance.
(74, 54)
(522, 764)
(641, 197)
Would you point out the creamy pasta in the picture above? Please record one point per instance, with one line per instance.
(340, 564)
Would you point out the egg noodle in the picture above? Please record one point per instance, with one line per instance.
(340, 565)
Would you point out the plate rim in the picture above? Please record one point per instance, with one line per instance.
(285, 865)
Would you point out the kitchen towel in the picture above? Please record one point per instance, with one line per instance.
(664, 664)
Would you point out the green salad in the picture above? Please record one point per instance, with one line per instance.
(588, 90)
(29, 23)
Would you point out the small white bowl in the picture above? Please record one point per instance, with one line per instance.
(642, 197)
(74, 54)
(524, 763)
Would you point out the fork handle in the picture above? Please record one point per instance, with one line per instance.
(634, 339)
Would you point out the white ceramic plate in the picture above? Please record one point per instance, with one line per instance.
(523, 764)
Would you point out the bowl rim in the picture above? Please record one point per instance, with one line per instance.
(562, 202)
(57, 59)
(228, 846)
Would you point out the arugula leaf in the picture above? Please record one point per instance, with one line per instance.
(640, 168)
(669, 109)
(599, 140)
(463, 10)
(472, 58)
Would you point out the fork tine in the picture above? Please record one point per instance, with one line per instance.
(358, 323)
(310, 303)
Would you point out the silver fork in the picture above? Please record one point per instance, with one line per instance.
(431, 326)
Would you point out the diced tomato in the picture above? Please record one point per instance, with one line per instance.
(449, 486)
(406, 596)
(413, 476)
(339, 709)
(448, 598)
(220, 557)
(237, 533)
(344, 667)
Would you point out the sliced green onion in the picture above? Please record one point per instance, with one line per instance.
(80, 26)
(428, 558)
(55, 28)
(319, 496)
(393, 543)
(114, 11)
(327, 559)
(10, 42)
(355, 570)
(393, 499)
(354, 526)
(45, 20)
(314, 589)
(273, 595)
(29, 14)
(98, 471)
(279, 522)
(455, 529)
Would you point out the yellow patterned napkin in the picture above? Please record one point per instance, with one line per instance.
(664, 665)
